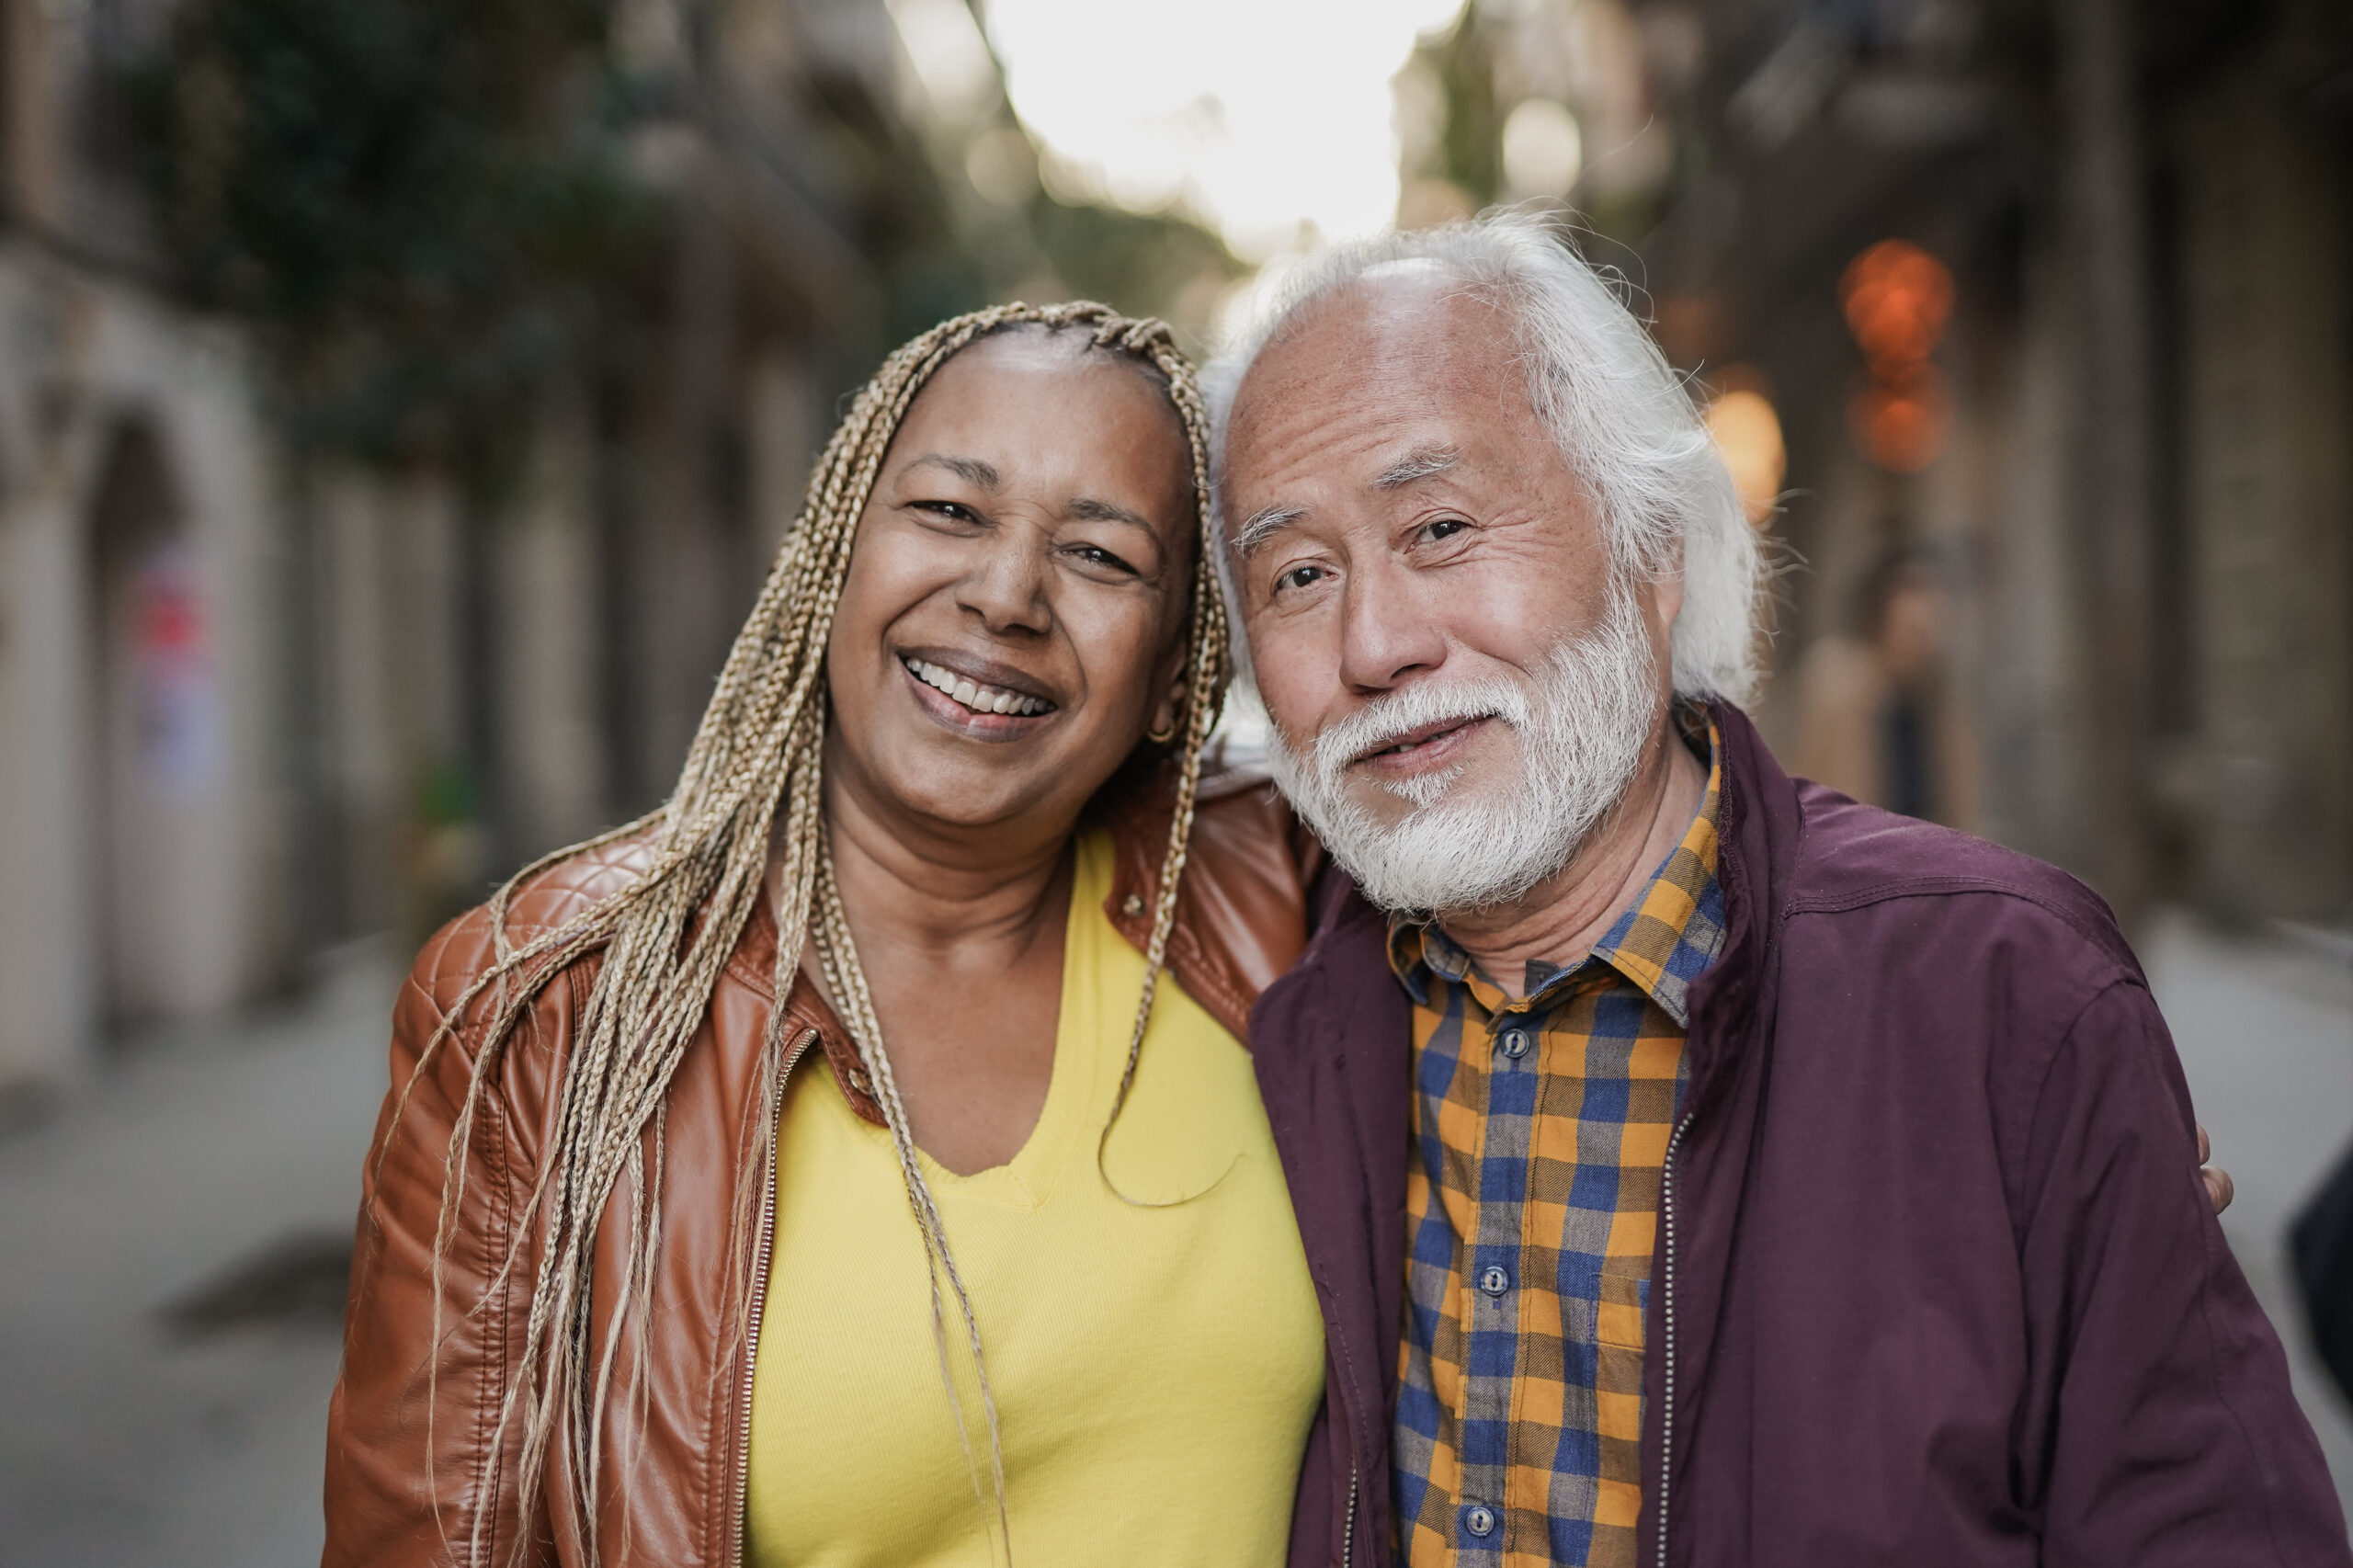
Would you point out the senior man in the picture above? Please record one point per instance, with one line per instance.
(1700, 1167)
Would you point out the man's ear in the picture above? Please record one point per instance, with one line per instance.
(1666, 591)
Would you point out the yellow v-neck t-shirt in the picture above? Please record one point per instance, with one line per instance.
(1155, 1369)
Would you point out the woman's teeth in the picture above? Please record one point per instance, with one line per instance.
(979, 699)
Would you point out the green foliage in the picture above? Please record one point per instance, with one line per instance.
(1469, 149)
(419, 203)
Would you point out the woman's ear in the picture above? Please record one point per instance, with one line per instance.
(1165, 717)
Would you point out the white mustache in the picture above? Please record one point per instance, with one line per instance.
(1391, 717)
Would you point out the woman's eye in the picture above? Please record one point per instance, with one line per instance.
(1096, 555)
(954, 511)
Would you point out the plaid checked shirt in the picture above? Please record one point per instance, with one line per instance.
(1531, 1201)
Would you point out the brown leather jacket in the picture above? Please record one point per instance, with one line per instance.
(411, 1461)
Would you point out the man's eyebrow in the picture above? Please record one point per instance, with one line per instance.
(1416, 465)
(1086, 509)
(1264, 525)
(973, 470)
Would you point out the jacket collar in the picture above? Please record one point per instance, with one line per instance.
(1759, 829)
(1242, 901)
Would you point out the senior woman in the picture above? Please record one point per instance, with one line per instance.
(819, 1171)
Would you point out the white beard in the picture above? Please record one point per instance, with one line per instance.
(1582, 721)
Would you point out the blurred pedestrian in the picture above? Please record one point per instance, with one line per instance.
(1878, 717)
(2320, 1244)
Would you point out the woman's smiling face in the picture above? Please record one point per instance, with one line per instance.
(1013, 619)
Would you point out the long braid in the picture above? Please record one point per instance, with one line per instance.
(751, 786)
(1205, 689)
(838, 951)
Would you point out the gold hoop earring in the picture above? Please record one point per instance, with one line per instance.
(1163, 737)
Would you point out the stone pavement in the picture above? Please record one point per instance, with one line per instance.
(125, 1441)
(130, 1440)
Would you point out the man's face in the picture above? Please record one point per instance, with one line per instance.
(1433, 615)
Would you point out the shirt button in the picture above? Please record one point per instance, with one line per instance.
(1514, 1043)
(1479, 1519)
(1494, 1281)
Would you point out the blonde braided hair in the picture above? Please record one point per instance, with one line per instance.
(751, 788)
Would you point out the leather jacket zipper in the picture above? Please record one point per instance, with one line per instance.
(1349, 1530)
(1666, 1331)
(761, 1253)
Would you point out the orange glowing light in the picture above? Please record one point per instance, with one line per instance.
(1898, 300)
(1901, 424)
(1748, 433)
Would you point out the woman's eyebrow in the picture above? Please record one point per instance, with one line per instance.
(1086, 509)
(972, 469)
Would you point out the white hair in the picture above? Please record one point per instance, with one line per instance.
(1622, 415)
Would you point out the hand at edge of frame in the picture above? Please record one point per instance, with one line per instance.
(2219, 1189)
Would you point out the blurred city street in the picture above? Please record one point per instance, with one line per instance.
(133, 1442)
(401, 404)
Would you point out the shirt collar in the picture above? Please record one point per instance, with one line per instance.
(1661, 942)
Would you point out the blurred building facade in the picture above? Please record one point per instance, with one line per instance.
(261, 693)
(142, 824)
(2033, 320)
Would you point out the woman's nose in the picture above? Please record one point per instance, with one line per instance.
(1006, 587)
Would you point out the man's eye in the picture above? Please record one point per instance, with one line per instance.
(1298, 577)
(1445, 528)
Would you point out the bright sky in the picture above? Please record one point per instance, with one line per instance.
(1258, 115)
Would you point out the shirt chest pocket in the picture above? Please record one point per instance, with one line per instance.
(1620, 1308)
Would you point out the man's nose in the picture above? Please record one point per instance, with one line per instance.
(1388, 627)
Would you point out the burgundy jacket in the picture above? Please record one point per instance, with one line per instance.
(1936, 1282)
